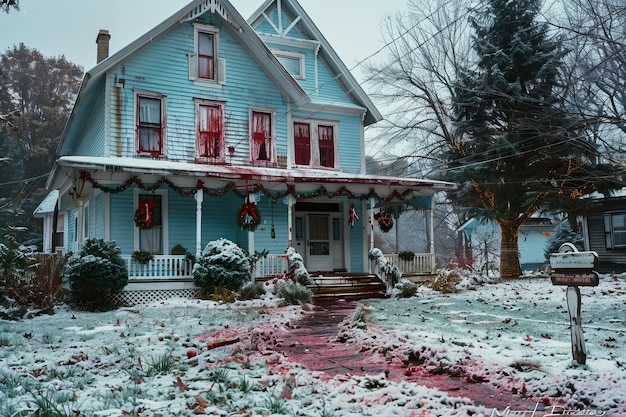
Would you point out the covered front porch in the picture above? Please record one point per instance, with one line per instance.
(322, 214)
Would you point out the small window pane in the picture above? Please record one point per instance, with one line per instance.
(291, 64)
(206, 55)
(302, 139)
(327, 146)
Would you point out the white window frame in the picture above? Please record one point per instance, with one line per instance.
(315, 148)
(610, 233)
(296, 56)
(222, 155)
(272, 150)
(157, 96)
(219, 71)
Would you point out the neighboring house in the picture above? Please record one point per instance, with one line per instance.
(604, 231)
(209, 126)
(484, 239)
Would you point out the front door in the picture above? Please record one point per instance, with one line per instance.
(318, 243)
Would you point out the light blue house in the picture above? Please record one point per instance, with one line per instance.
(483, 238)
(212, 126)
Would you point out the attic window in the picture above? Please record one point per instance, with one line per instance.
(292, 61)
(205, 65)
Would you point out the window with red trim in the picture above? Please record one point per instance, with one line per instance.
(150, 126)
(261, 146)
(326, 139)
(206, 55)
(210, 133)
(302, 142)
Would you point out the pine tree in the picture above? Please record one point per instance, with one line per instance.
(517, 148)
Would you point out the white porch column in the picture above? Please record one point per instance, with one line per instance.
(290, 219)
(252, 199)
(80, 224)
(371, 222)
(199, 196)
(432, 224)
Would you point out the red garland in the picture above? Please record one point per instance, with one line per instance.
(144, 214)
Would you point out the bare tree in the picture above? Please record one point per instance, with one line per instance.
(596, 74)
(426, 45)
(7, 5)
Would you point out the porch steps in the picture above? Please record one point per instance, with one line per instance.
(346, 286)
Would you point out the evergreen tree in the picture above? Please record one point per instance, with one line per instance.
(516, 148)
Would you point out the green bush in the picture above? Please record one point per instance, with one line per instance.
(294, 293)
(252, 291)
(95, 272)
(404, 289)
(297, 271)
(222, 264)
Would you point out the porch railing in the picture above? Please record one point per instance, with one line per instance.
(422, 263)
(270, 266)
(161, 267)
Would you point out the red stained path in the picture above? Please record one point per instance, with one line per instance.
(313, 344)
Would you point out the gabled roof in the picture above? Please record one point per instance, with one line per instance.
(93, 81)
(343, 76)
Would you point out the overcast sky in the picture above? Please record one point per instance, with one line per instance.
(70, 27)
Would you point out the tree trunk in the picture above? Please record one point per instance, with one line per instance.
(509, 251)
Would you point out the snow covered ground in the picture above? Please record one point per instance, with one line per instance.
(183, 357)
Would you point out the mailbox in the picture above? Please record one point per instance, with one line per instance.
(574, 269)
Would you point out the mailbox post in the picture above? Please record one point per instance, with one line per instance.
(573, 268)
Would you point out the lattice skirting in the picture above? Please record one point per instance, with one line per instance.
(131, 298)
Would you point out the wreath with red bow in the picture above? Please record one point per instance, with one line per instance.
(144, 215)
(248, 216)
(385, 220)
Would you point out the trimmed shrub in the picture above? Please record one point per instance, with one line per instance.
(404, 289)
(297, 271)
(294, 293)
(252, 291)
(95, 272)
(222, 264)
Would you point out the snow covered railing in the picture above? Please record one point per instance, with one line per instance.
(271, 265)
(160, 267)
(422, 263)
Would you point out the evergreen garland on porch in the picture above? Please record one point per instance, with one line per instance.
(234, 188)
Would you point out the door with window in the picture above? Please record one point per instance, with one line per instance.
(151, 239)
(319, 242)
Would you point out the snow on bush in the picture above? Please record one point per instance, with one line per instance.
(95, 272)
(391, 272)
(222, 264)
(404, 289)
(297, 271)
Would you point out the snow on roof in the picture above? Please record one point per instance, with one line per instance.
(233, 173)
(48, 204)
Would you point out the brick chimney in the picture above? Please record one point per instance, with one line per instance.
(103, 45)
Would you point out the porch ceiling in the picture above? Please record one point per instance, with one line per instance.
(114, 168)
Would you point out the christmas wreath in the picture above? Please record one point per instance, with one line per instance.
(248, 216)
(385, 220)
(144, 214)
(142, 256)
